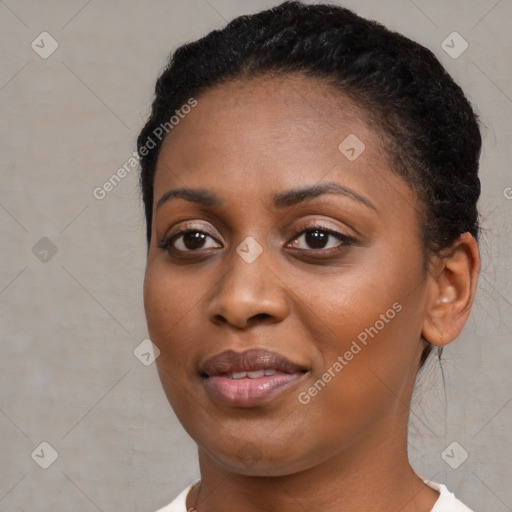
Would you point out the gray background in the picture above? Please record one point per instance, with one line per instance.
(70, 321)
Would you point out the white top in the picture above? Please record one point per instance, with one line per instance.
(447, 502)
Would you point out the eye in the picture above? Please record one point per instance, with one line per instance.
(188, 240)
(320, 238)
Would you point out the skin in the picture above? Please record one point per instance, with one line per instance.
(347, 448)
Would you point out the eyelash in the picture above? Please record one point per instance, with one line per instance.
(345, 240)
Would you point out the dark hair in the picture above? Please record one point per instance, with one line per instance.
(432, 136)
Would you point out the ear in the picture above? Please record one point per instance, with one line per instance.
(452, 288)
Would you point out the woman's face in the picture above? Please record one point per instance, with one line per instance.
(331, 316)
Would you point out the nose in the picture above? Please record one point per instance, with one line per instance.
(248, 293)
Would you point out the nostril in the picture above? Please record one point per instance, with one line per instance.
(220, 319)
(260, 316)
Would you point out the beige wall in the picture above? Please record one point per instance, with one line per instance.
(69, 325)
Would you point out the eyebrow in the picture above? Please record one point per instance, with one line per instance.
(281, 200)
(194, 195)
(295, 196)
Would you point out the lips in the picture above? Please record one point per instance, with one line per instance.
(248, 361)
(250, 378)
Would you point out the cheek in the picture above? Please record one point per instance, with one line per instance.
(161, 314)
(168, 298)
(168, 309)
(367, 327)
(343, 304)
(172, 303)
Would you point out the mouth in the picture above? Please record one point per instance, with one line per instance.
(250, 378)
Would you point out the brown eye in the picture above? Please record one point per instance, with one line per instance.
(316, 239)
(190, 240)
(193, 240)
(321, 238)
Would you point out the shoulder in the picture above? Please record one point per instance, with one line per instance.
(179, 504)
(447, 502)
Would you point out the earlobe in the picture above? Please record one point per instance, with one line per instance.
(452, 290)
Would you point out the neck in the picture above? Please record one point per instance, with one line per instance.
(375, 474)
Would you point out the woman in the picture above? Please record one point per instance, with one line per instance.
(310, 182)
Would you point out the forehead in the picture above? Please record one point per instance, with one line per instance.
(274, 132)
(300, 110)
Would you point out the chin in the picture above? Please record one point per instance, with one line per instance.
(250, 459)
